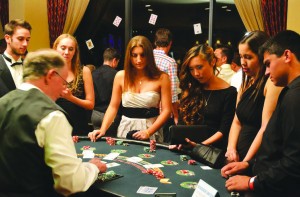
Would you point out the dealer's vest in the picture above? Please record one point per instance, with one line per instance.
(23, 171)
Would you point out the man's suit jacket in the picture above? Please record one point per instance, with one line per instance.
(6, 81)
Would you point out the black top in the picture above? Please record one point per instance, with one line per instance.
(277, 164)
(103, 79)
(6, 81)
(219, 112)
(249, 113)
(78, 115)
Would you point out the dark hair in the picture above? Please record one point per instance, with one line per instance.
(111, 53)
(255, 40)
(11, 26)
(226, 51)
(163, 37)
(279, 43)
(192, 100)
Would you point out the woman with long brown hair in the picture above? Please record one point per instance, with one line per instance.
(206, 99)
(256, 101)
(141, 87)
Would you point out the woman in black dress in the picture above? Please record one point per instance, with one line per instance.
(78, 97)
(206, 99)
(256, 101)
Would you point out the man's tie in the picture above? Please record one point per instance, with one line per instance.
(9, 60)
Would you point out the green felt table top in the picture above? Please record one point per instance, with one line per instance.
(133, 176)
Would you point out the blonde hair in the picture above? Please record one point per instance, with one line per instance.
(75, 62)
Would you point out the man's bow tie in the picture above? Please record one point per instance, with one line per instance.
(9, 60)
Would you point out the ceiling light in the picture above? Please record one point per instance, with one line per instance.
(206, 8)
(147, 6)
(228, 10)
(150, 10)
(224, 6)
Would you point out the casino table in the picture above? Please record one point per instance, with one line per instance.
(182, 176)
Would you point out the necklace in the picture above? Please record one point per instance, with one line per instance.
(206, 100)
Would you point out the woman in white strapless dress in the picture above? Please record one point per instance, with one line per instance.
(143, 89)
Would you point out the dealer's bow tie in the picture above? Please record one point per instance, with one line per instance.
(9, 60)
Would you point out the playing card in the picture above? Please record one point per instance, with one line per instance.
(89, 44)
(88, 154)
(117, 21)
(135, 159)
(111, 156)
(152, 19)
(146, 190)
(110, 165)
(197, 28)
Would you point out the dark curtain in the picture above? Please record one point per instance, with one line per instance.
(90, 25)
(274, 15)
(4, 12)
(57, 14)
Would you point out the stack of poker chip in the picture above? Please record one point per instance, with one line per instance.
(111, 141)
(152, 145)
(157, 173)
(106, 176)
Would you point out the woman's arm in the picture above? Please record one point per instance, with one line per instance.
(271, 96)
(112, 109)
(89, 101)
(231, 153)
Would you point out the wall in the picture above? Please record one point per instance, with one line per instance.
(35, 12)
(293, 16)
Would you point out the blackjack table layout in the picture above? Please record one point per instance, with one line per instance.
(137, 169)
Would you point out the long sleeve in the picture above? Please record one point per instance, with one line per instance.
(70, 174)
(278, 161)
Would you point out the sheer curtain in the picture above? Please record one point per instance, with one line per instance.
(76, 10)
(4, 12)
(274, 15)
(251, 14)
(57, 13)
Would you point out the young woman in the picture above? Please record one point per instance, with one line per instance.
(141, 87)
(256, 101)
(206, 99)
(78, 97)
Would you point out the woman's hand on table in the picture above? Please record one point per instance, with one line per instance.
(94, 135)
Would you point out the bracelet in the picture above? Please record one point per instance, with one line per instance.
(251, 183)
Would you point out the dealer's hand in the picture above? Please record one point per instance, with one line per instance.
(101, 166)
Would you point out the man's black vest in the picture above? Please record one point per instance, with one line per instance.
(23, 171)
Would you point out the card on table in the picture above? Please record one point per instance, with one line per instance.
(111, 156)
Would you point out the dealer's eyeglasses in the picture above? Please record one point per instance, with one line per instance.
(65, 82)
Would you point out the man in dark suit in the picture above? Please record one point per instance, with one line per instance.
(103, 79)
(17, 36)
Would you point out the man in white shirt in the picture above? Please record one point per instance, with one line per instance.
(224, 55)
(37, 153)
(236, 80)
(17, 37)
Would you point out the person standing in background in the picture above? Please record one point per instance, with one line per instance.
(103, 79)
(78, 97)
(237, 78)
(224, 55)
(17, 37)
(163, 43)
